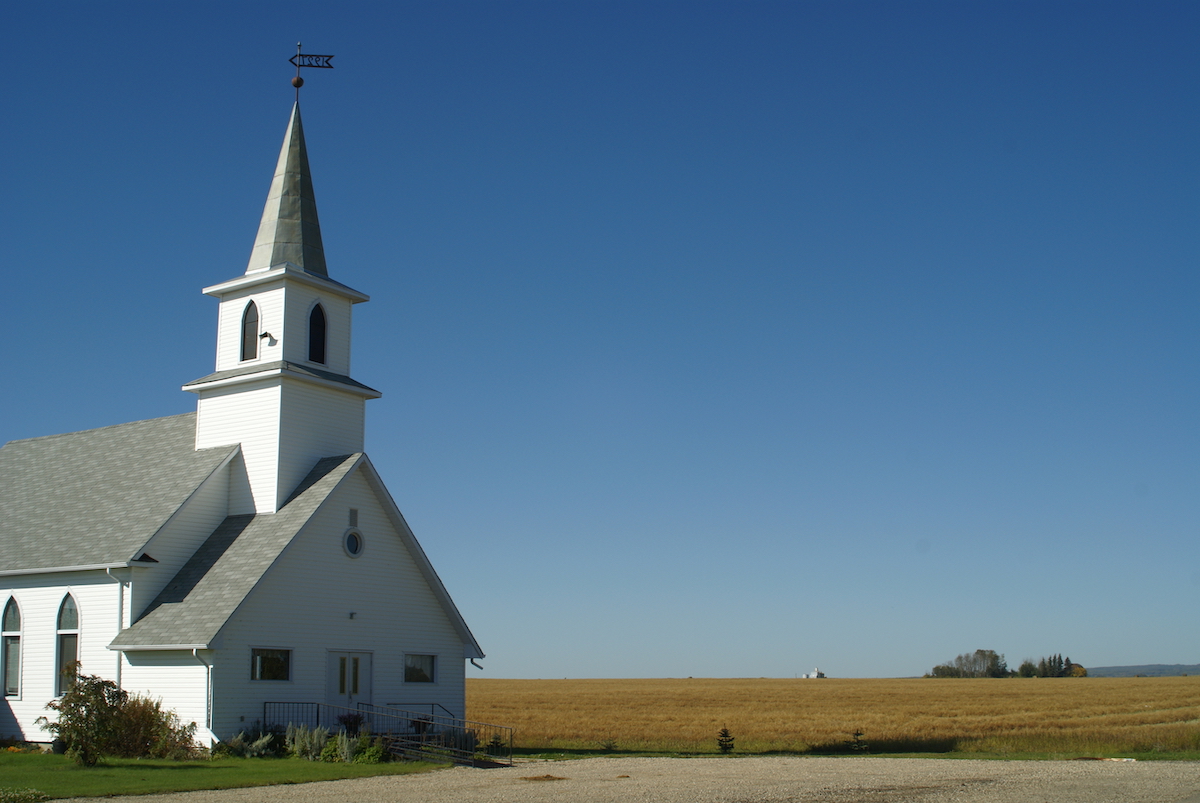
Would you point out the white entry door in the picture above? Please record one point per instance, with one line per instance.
(349, 679)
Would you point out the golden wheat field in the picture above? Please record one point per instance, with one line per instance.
(1015, 715)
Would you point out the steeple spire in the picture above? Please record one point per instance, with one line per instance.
(289, 230)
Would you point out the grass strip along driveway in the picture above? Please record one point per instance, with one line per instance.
(57, 776)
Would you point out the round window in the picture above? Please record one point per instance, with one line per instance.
(353, 543)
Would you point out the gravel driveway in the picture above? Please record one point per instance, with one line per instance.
(750, 780)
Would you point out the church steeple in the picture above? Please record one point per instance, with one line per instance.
(289, 230)
(282, 386)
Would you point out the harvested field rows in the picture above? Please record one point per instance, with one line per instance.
(1102, 716)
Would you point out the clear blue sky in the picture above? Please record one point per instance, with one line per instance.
(716, 339)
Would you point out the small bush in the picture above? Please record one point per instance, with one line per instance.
(856, 743)
(332, 751)
(96, 718)
(372, 754)
(143, 728)
(725, 740)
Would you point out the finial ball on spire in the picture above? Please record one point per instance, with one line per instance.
(297, 82)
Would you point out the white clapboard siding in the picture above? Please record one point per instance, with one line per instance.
(315, 422)
(249, 415)
(39, 597)
(177, 678)
(304, 602)
(300, 301)
(270, 301)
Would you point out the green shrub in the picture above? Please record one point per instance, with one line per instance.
(145, 729)
(725, 740)
(332, 751)
(372, 754)
(96, 718)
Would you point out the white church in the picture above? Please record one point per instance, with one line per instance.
(244, 554)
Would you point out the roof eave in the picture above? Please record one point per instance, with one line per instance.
(152, 647)
(289, 271)
(90, 567)
(198, 385)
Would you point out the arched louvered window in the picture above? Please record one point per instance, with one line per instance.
(68, 644)
(316, 335)
(10, 649)
(250, 332)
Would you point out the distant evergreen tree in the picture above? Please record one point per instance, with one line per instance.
(725, 740)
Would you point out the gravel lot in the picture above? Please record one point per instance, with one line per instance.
(751, 780)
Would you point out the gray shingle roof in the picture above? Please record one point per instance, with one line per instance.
(96, 497)
(191, 610)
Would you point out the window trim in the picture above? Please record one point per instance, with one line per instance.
(354, 532)
(433, 660)
(324, 335)
(256, 667)
(248, 340)
(60, 633)
(9, 636)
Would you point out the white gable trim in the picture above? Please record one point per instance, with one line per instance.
(471, 648)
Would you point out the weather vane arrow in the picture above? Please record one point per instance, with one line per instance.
(307, 60)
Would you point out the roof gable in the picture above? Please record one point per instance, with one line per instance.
(94, 498)
(193, 607)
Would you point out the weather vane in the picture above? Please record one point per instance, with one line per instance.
(307, 60)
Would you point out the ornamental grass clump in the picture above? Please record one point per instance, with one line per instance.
(305, 742)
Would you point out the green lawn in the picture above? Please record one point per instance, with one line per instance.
(57, 776)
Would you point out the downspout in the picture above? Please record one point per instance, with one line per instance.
(120, 619)
(207, 690)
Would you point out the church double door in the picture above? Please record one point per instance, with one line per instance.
(349, 679)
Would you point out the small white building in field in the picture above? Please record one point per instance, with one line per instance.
(243, 554)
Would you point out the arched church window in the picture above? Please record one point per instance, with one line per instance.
(10, 649)
(316, 335)
(68, 644)
(250, 332)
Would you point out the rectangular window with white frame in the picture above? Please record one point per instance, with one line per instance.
(270, 664)
(420, 668)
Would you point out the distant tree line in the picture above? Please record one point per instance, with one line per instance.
(1055, 666)
(990, 664)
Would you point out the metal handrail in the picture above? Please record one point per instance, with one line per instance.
(412, 734)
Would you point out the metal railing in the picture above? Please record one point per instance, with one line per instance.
(405, 733)
(433, 708)
(430, 736)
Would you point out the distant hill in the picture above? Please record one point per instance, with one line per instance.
(1147, 670)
